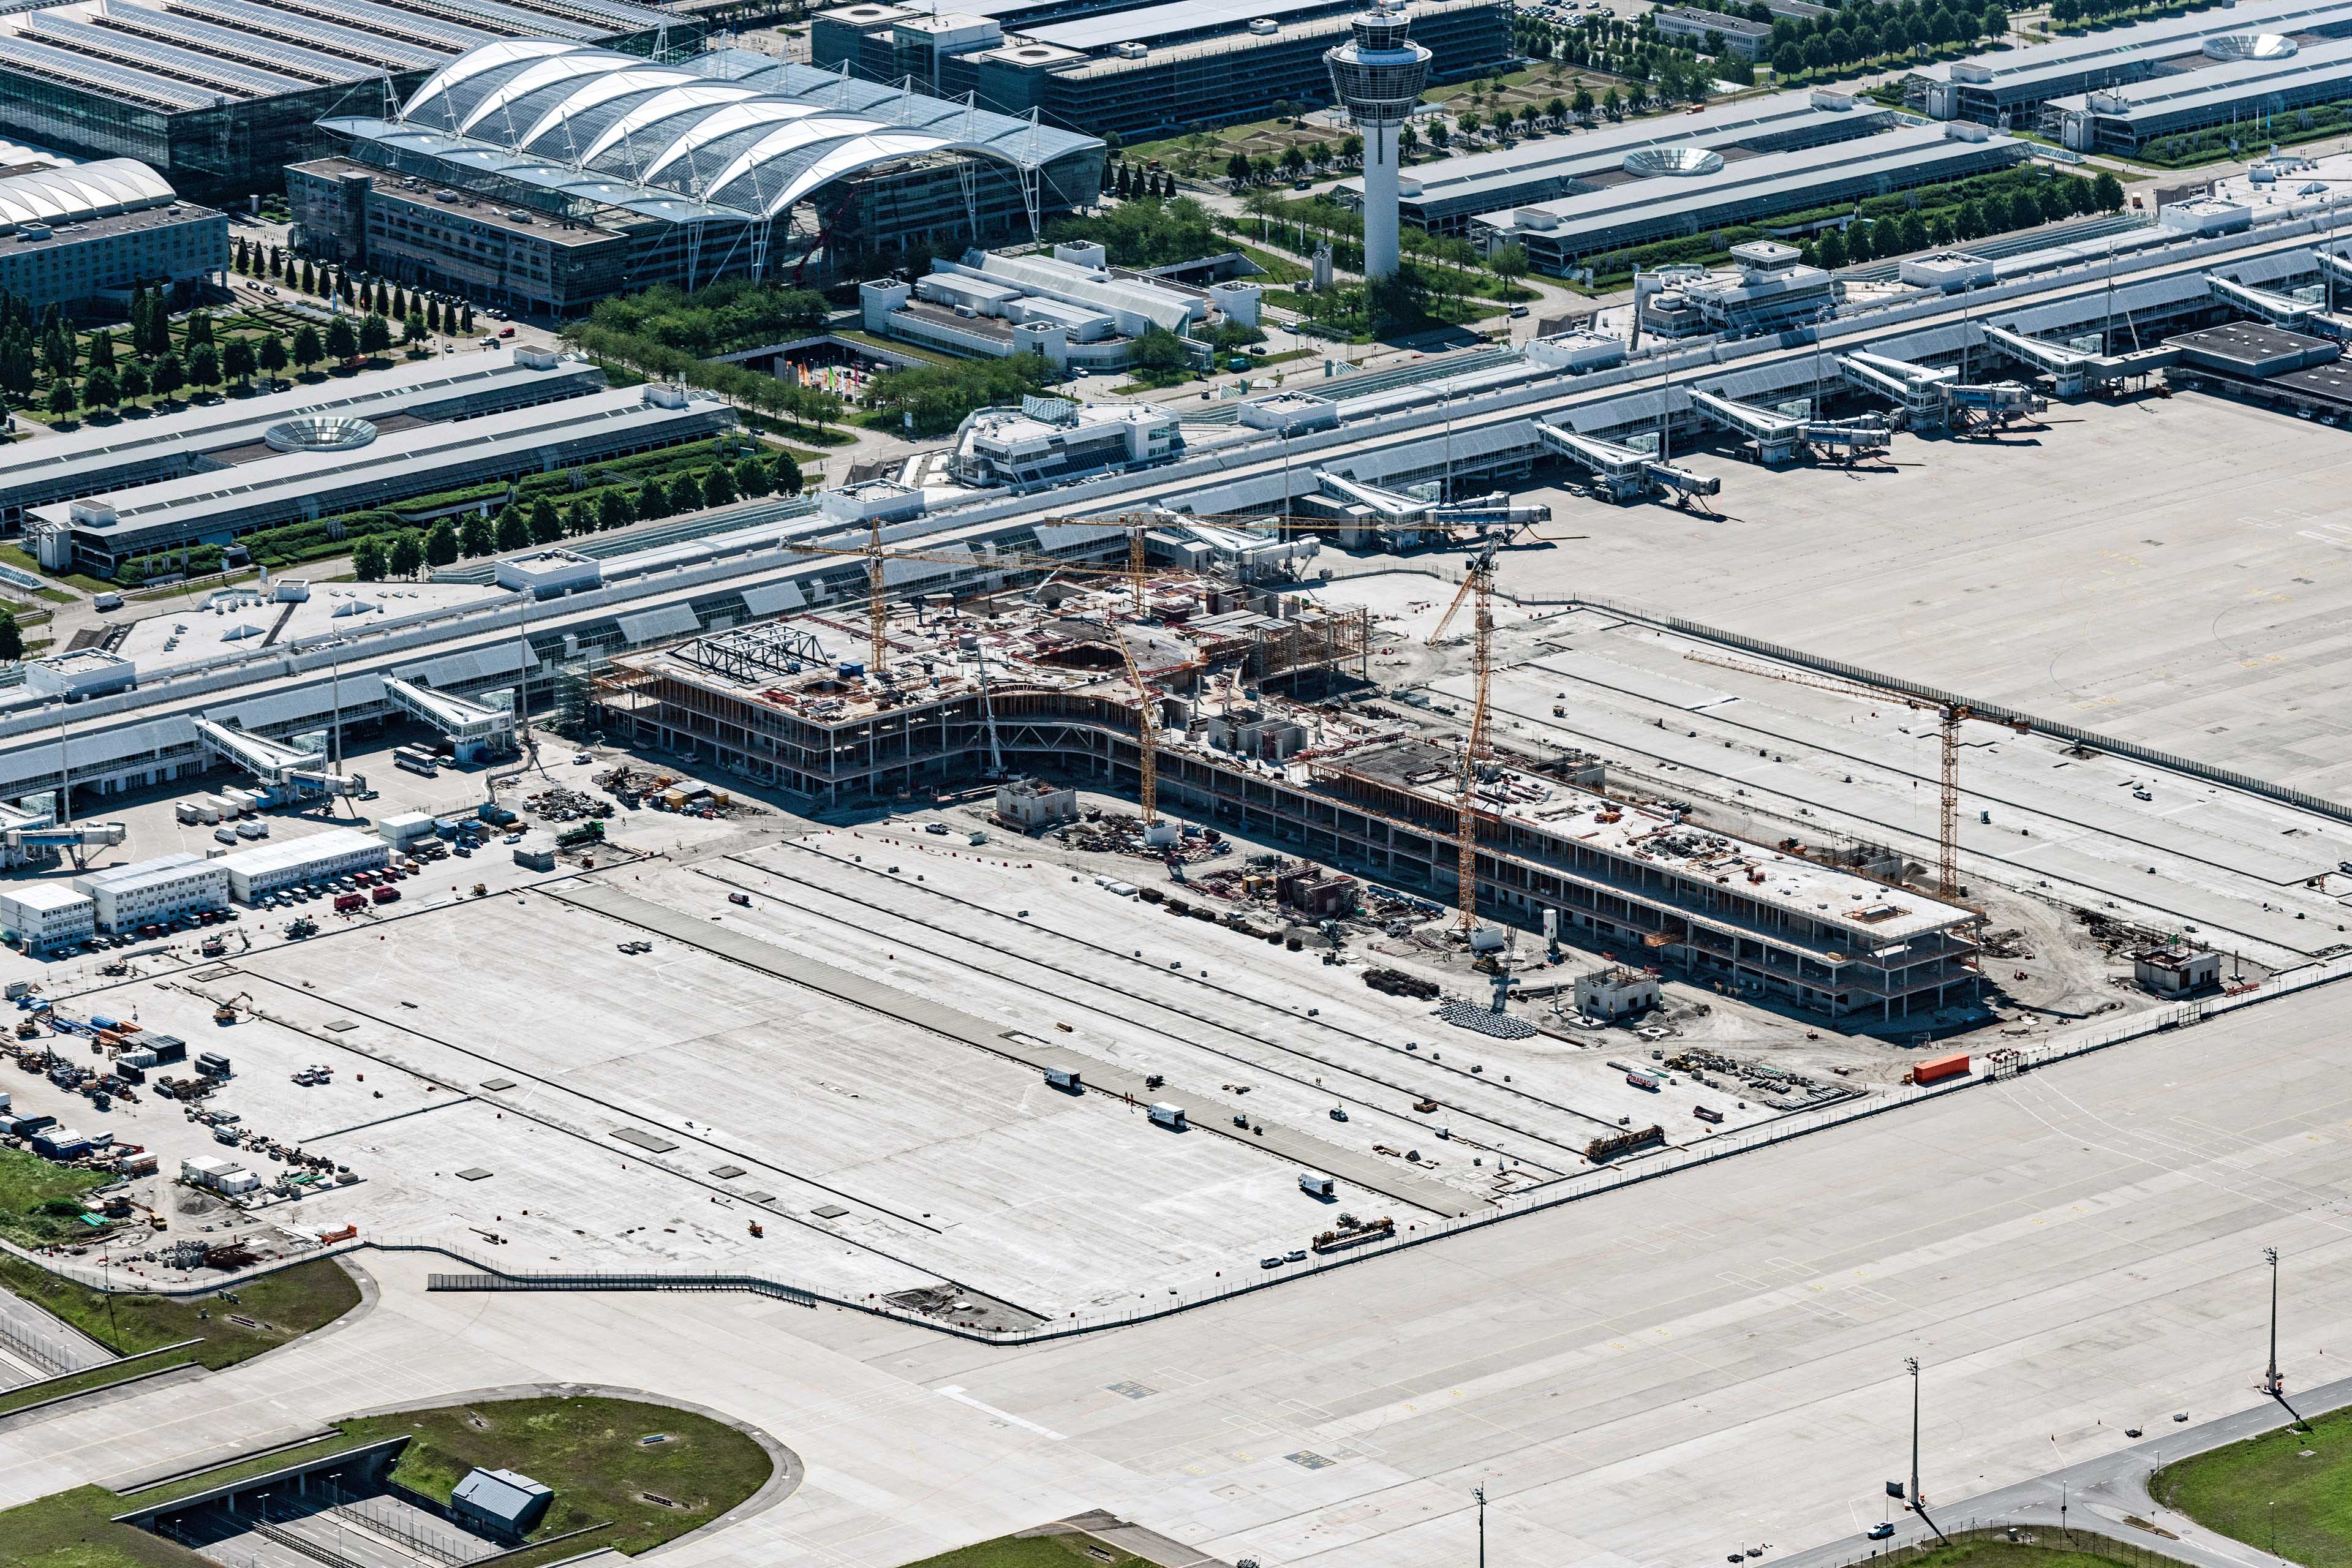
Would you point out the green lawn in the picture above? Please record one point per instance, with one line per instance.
(587, 1450)
(2051, 1553)
(277, 1307)
(2249, 1488)
(40, 1201)
(590, 1452)
(17, 557)
(1030, 1552)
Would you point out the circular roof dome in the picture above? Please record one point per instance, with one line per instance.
(1674, 160)
(2250, 47)
(318, 434)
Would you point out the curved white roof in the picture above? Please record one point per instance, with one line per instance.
(753, 146)
(83, 191)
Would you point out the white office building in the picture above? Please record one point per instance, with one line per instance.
(265, 868)
(40, 916)
(147, 892)
(1050, 439)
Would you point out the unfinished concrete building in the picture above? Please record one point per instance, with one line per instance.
(1048, 690)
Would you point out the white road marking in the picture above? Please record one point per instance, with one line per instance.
(956, 1393)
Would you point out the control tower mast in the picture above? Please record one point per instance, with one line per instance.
(1379, 74)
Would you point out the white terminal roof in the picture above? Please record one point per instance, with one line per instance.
(2007, 69)
(725, 135)
(116, 876)
(84, 191)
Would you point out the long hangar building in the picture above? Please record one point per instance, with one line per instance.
(1137, 69)
(549, 176)
(215, 95)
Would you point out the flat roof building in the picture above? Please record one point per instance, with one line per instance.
(71, 236)
(1714, 193)
(218, 94)
(1137, 68)
(2284, 78)
(1444, 195)
(40, 916)
(219, 506)
(265, 868)
(101, 458)
(1071, 307)
(2007, 88)
(1714, 32)
(150, 892)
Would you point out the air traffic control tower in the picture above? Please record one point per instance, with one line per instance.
(1379, 74)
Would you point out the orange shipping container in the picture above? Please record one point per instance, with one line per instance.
(1941, 1069)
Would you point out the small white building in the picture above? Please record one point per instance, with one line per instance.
(1052, 438)
(148, 892)
(265, 868)
(40, 916)
(81, 675)
(406, 827)
(1616, 993)
(550, 573)
(1029, 806)
(2177, 970)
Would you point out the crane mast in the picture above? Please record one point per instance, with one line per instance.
(1950, 716)
(1479, 585)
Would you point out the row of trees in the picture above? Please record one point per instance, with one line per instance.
(253, 259)
(779, 400)
(1863, 31)
(740, 313)
(517, 527)
(2042, 201)
(2068, 13)
(204, 366)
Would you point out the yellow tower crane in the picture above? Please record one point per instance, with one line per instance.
(1950, 716)
(1478, 586)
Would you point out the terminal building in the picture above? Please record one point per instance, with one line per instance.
(2241, 80)
(311, 469)
(553, 175)
(1714, 32)
(2008, 89)
(72, 235)
(1141, 70)
(217, 95)
(1699, 190)
(98, 459)
(1444, 197)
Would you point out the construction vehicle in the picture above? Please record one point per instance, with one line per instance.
(300, 927)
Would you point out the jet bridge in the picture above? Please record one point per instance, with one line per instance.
(2277, 309)
(1935, 398)
(285, 771)
(1622, 474)
(2073, 372)
(1779, 436)
(476, 730)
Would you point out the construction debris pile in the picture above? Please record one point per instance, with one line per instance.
(1353, 1232)
(1775, 1087)
(557, 804)
(1397, 983)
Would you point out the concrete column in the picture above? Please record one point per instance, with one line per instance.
(1380, 200)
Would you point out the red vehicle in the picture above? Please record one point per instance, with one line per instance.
(505, 332)
(346, 903)
(364, 878)
(386, 895)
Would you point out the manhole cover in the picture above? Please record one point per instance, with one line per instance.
(829, 1211)
(727, 1172)
(476, 1173)
(496, 1084)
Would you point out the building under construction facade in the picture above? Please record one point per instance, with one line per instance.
(992, 684)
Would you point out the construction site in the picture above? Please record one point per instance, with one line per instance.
(1709, 870)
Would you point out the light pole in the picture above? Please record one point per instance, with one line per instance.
(2272, 1384)
(1480, 1493)
(1918, 1503)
